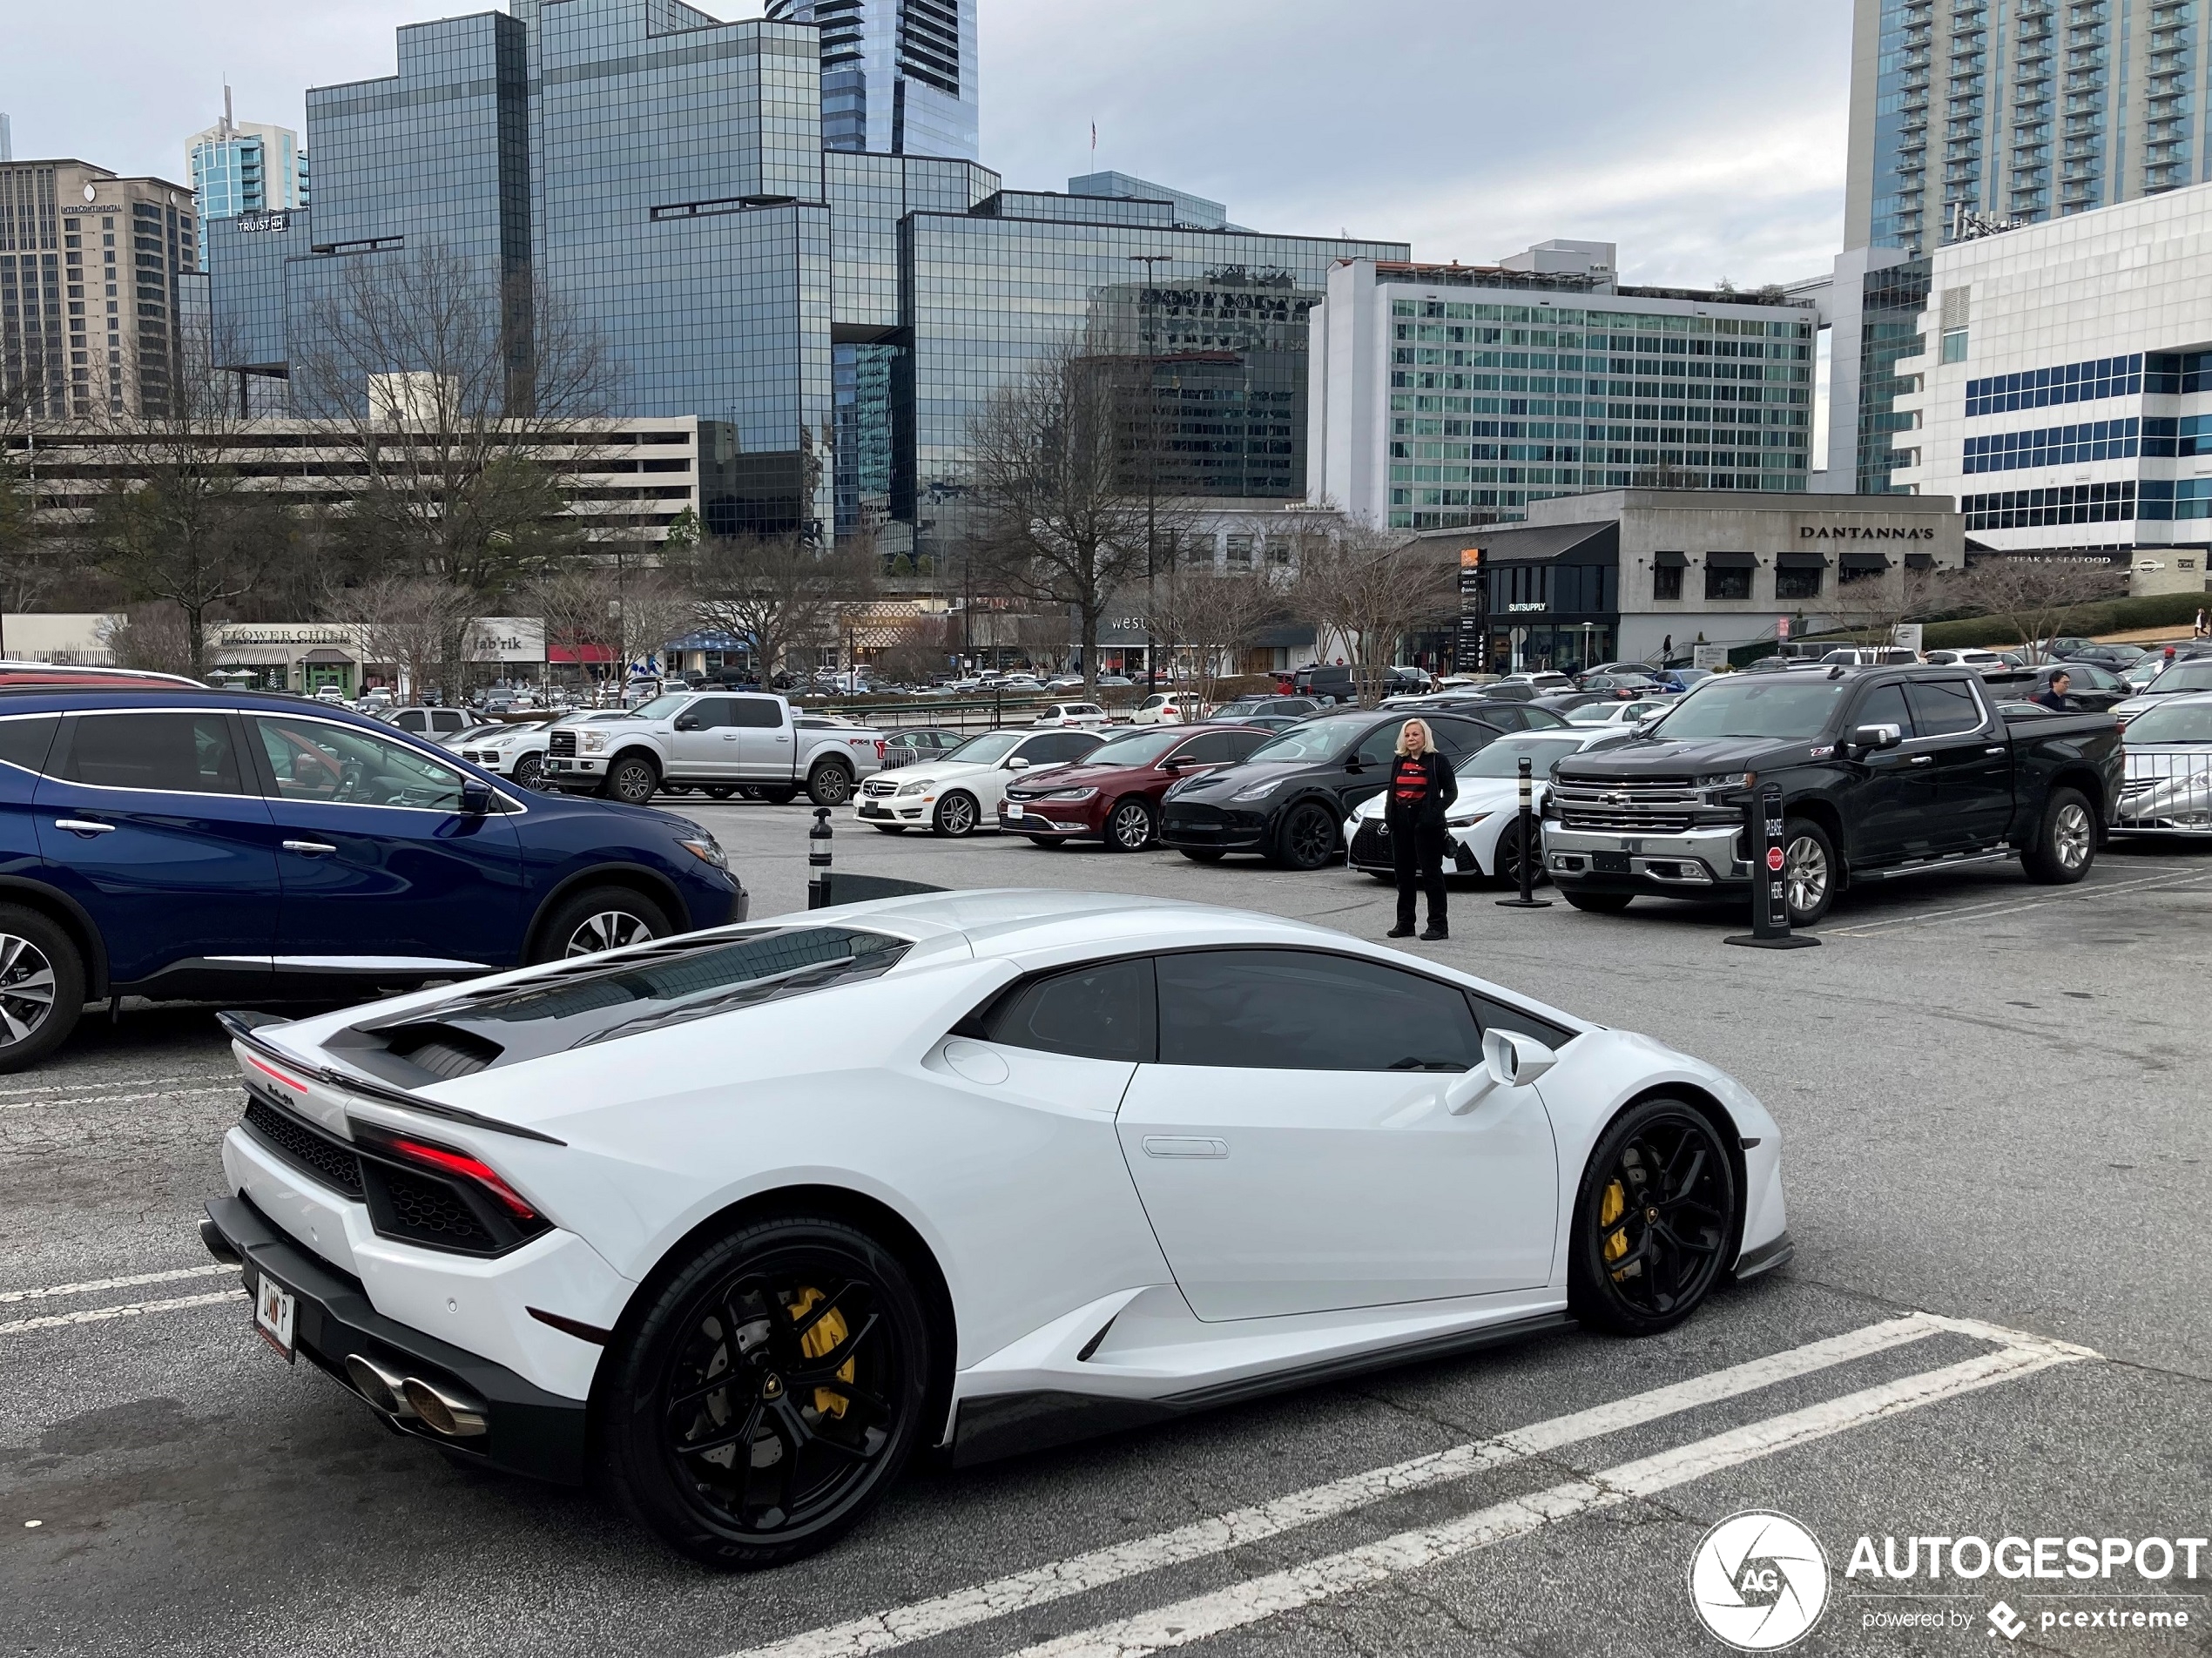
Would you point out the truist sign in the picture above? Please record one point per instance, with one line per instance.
(1864, 532)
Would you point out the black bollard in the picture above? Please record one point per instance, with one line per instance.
(1531, 848)
(818, 860)
(1765, 833)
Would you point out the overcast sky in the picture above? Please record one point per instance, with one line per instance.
(1704, 136)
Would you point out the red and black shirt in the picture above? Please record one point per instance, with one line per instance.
(1409, 782)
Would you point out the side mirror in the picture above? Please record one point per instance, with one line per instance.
(476, 798)
(1017, 763)
(1509, 1060)
(1871, 737)
(687, 722)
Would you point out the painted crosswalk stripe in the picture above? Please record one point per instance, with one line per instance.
(922, 1620)
(1257, 1599)
(96, 1286)
(101, 1315)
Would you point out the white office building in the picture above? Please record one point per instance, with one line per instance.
(2063, 388)
(1450, 395)
(239, 167)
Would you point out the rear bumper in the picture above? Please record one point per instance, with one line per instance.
(1695, 863)
(528, 1429)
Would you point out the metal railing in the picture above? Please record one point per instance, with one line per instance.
(2167, 794)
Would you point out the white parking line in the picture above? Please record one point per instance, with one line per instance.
(116, 1099)
(93, 1286)
(1997, 907)
(922, 1620)
(1249, 1602)
(100, 1315)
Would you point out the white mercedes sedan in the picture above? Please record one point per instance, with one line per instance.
(738, 1222)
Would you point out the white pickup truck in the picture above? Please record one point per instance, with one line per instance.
(713, 740)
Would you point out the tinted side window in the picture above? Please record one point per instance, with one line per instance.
(1240, 744)
(1497, 1015)
(339, 766)
(1215, 748)
(1943, 707)
(756, 713)
(413, 720)
(1379, 746)
(1885, 705)
(1061, 745)
(1093, 1012)
(188, 753)
(1459, 737)
(24, 741)
(1301, 1010)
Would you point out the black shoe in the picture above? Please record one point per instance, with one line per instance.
(1400, 932)
(1435, 931)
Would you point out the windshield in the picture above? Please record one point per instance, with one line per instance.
(2190, 722)
(1786, 707)
(2184, 676)
(1592, 714)
(1315, 740)
(662, 707)
(987, 750)
(1138, 748)
(1502, 759)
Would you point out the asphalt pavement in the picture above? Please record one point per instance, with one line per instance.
(1992, 1100)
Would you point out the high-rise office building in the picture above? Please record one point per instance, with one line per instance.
(7, 141)
(664, 178)
(93, 268)
(245, 167)
(898, 76)
(2019, 110)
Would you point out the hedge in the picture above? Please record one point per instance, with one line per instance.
(2116, 616)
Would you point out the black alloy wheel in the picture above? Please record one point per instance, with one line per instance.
(1130, 826)
(1508, 858)
(771, 1392)
(1654, 1220)
(1308, 837)
(956, 815)
(829, 784)
(633, 780)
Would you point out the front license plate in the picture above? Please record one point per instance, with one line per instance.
(1609, 863)
(873, 812)
(275, 1310)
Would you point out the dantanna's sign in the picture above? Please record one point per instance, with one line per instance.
(1864, 532)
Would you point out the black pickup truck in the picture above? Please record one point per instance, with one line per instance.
(1884, 772)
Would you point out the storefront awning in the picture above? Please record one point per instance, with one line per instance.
(1799, 560)
(1670, 561)
(1865, 561)
(590, 653)
(1920, 561)
(324, 655)
(1731, 561)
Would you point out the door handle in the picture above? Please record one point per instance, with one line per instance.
(84, 827)
(729, 737)
(1168, 1145)
(1996, 750)
(1921, 759)
(783, 737)
(308, 848)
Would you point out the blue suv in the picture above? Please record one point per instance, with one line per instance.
(213, 845)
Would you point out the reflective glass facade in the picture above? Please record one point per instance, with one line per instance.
(988, 293)
(246, 167)
(898, 76)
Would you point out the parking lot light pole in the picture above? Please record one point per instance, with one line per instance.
(1527, 829)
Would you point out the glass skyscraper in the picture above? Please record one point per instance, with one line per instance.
(839, 313)
(898, 76)
(245, 167)
(2019, 109)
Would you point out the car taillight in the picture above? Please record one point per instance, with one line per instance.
(406, 1148)
(879, 747)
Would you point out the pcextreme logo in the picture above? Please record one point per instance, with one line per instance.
(1759, 1581)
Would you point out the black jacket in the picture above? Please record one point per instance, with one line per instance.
(1443, 789)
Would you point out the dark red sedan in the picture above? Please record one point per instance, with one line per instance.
(1113, 794)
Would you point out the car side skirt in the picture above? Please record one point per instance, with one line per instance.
(1004, 1424)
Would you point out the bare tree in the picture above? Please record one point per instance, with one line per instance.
(1874, 606)
(418, 624)
(1058, 519)
(1212, 617)
(177, 523)
(2038, 595)
(469, 404)
(779, 591)
(652, 607)
(1369, 588)
(151, 637)
(913, 651)
(577, 605)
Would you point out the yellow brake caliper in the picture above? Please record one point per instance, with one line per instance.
(1610, 1208)
(823, 1340)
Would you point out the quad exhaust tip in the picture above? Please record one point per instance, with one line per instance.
(408, 1399)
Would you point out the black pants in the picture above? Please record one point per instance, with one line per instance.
(1417, 853)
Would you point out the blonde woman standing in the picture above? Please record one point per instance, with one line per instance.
(1421, 787)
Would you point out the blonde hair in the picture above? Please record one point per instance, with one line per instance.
(1428, 739)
